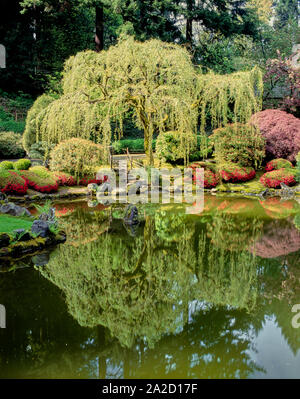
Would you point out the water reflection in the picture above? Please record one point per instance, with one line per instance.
(187, 296)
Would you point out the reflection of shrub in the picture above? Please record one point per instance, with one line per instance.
(22, 164)
(171, 227)
(236, 174)
(241, 144)
(278, 164)
(279, 238)
(277, 209)
(78, 157)
(10, 145)
(12, 183)
(8, 165)
(37, 183)
(276, 177)
(232, 232)
(281, 131)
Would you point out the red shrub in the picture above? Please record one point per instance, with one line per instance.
(12, 183)
(89, 180)
(37, 183)
(64, 179)
(237, 174)
(274, 178)
(211, 179)
(278, 164)
(281, 131)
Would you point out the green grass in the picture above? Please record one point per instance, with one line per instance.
(10, 223)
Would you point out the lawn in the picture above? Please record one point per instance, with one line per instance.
(10, 223)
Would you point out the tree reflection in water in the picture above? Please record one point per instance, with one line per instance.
(183, 298)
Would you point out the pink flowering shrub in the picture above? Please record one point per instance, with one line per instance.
(274, 178)
(211, 179)
(281, 131)
(278, 164)
(232, 173)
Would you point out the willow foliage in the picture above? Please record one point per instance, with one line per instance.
(34, 119)
(224, 98)
(154, 79)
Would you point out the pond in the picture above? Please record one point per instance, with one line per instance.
(180, 295)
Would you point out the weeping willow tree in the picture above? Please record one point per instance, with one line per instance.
(226, 98)
(34, 119)
(155, 80)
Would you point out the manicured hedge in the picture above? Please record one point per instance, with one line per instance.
(274, 178)
(22, 164)
(8, 165)
(37, 183)
(237, 174)
(12, 183)
(278, 164)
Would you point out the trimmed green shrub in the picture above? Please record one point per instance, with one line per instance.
(278, 164)
(38, 183)
(172, 146)
(12, 183)
(77, 157)
(274, 178)
(22, 164)
(8, 165)
(34, 118)
(41, 171)
(11, 145)
(239, 144)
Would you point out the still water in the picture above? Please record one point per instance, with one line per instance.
(205, 295)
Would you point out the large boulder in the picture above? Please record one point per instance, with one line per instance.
(15, 210)
(40, 228)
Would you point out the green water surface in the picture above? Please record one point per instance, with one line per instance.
(201, 295)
